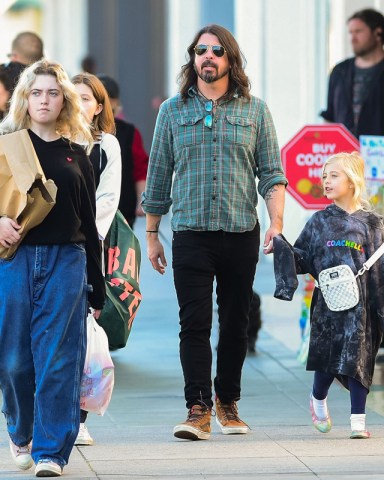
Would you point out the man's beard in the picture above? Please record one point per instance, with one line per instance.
(210, 77)
(365, 50)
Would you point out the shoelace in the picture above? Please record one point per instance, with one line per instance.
(204, 407)
(195, 414)
(230, 411)
(23, 450)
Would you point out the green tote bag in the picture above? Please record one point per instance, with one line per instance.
(123, 258)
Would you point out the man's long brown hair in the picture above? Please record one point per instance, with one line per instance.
(238, 80)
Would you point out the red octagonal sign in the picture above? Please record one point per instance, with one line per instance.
(304, 156)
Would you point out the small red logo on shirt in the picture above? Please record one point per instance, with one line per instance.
(69, 159)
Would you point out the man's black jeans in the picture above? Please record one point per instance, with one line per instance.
(199, 258)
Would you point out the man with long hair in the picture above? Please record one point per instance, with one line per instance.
(211, 140)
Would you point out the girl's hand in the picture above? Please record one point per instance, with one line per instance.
(8, 232)
(96, 314)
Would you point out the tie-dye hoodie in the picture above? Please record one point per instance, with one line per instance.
(342, 343)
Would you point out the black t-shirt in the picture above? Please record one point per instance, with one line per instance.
(361, 84)
(72, 219)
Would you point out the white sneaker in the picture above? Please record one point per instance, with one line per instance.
(83, 437)
(21, 455)
(48, 468)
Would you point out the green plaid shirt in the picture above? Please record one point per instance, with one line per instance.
(208, 174)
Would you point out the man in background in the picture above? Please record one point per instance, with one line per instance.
(356, 85)
(27, 48)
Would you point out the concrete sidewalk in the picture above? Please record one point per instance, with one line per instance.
(134, 440)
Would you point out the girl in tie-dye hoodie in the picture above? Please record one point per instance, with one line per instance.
(343, 344)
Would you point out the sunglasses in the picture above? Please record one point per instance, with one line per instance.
(208, 120)
(217, 50)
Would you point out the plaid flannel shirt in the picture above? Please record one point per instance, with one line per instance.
(208, 174)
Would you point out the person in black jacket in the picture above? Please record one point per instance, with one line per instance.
(134, 158)
(356, 85)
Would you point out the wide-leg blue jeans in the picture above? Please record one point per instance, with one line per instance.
(43, 305)
(199, 258)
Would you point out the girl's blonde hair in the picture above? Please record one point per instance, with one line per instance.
(353, 166)
(70, 123)
(103, 121)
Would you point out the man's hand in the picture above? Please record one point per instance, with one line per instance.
(268, 239)
(155, 252)
(274, 199)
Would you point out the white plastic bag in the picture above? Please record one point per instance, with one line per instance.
(99, 372)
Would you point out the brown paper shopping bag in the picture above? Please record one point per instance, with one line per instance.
(25, 194)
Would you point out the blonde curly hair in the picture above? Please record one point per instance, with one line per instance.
(70, 123)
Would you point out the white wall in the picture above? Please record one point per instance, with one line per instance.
(12, 23)
(283, 47)
(64, 31)
(183, 23)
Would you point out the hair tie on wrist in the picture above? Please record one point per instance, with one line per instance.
(152, 231)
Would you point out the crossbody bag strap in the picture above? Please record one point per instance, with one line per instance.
(371, 260)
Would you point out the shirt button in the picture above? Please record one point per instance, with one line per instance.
(214, 159)
(213, 198)
(214, 139)
(214, 178)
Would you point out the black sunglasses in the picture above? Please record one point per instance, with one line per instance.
(217, 50)
(208, 120)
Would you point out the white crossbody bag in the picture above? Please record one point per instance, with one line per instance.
(338, 284)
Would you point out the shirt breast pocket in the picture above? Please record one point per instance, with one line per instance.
(240, 130)
(187, 133)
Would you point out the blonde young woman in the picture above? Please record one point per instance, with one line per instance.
(106, 161)
(46, 285)
(343, 344)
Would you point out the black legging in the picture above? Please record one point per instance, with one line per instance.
(358, 393)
